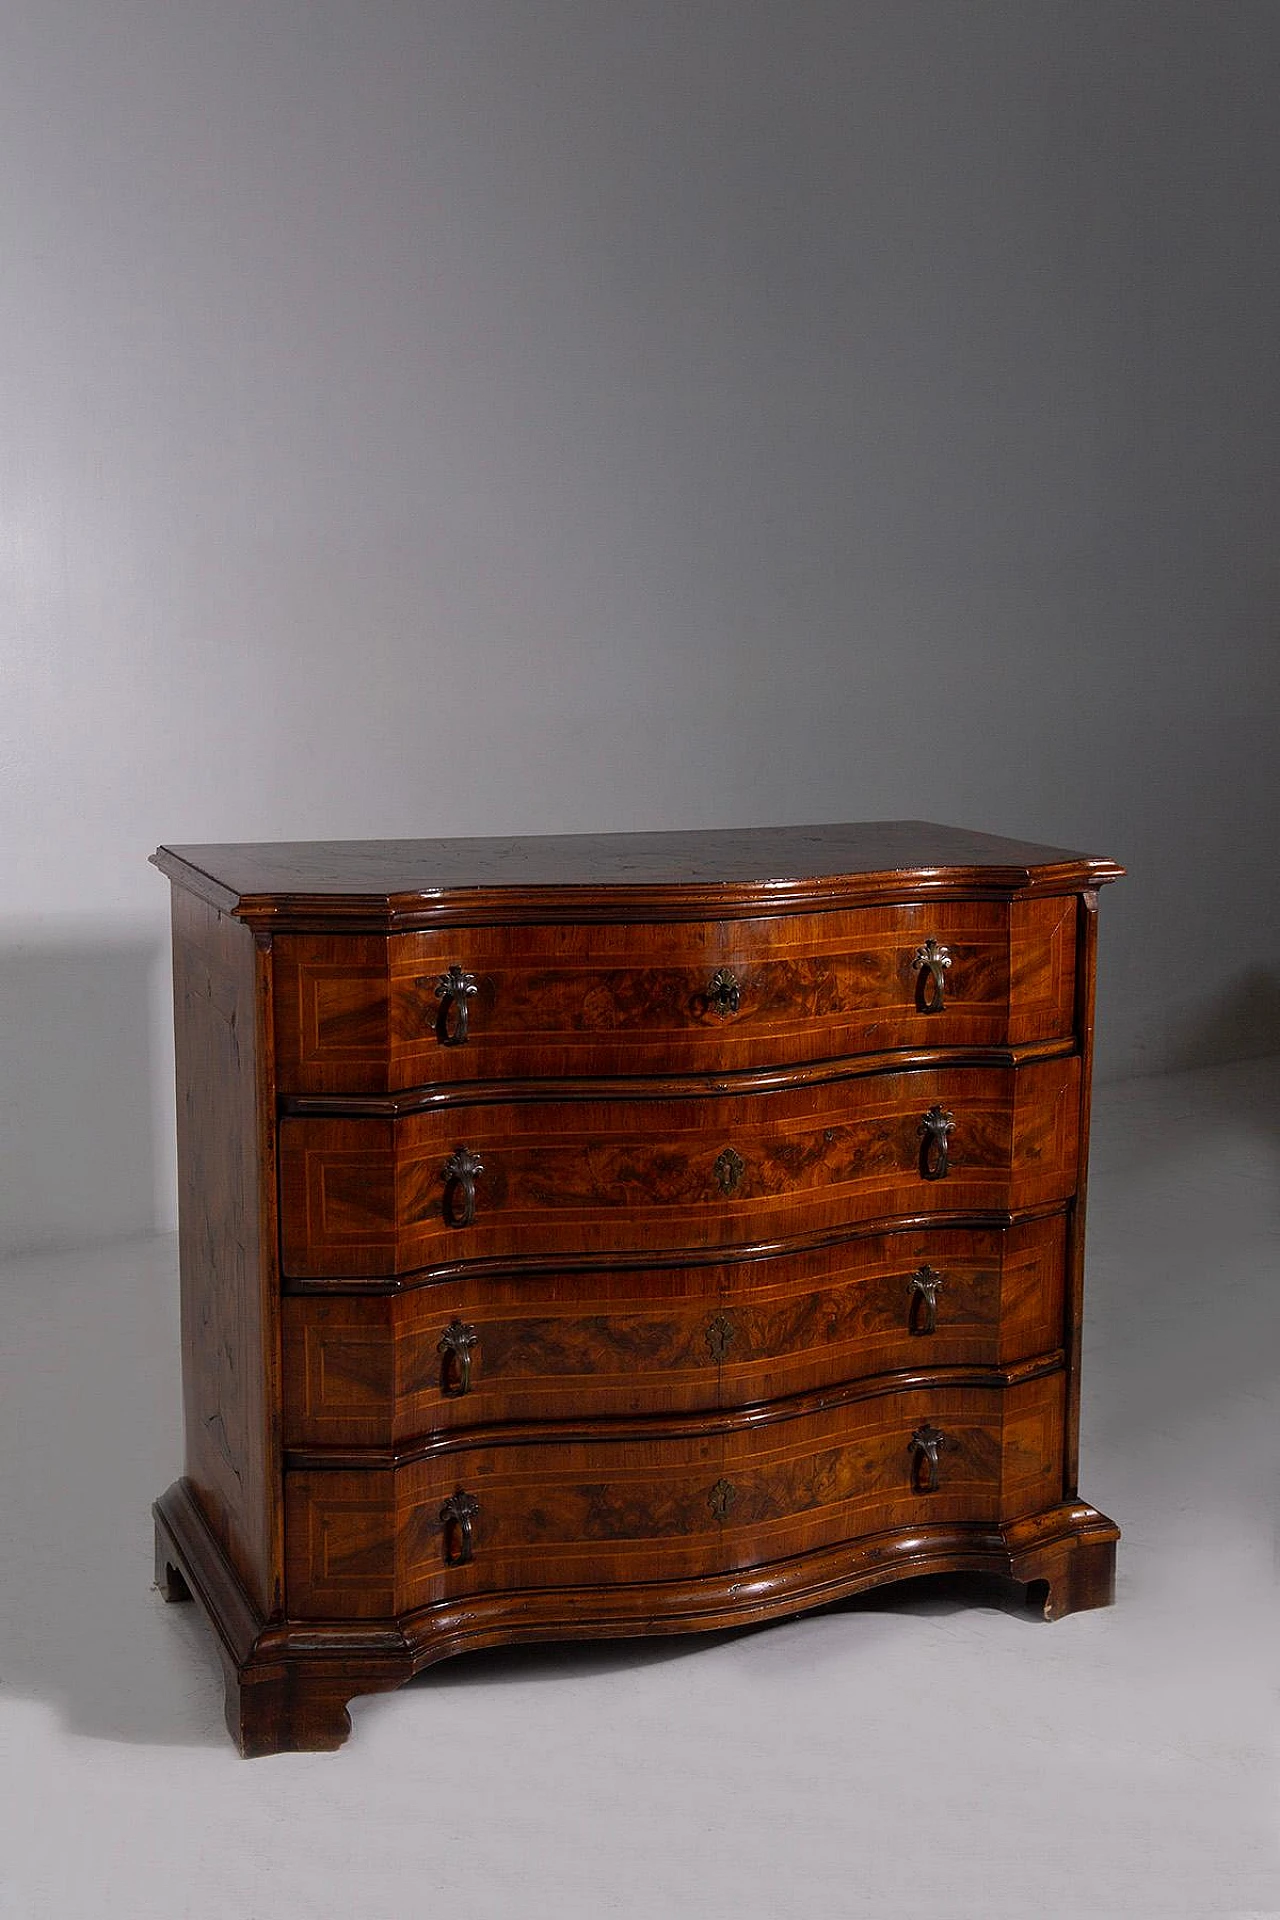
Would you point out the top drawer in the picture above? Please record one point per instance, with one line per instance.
(374, 1013)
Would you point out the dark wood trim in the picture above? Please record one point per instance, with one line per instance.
(684, 1426)
(685, 1086)
(319, 913)
(183, 874)
(448, 1271)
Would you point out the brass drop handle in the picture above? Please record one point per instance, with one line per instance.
(461, 1171)
(455, 1346)
(724, 995)
(456, 1515)
(922, 1314)
(454, 989)
(930, 965)
(923, 1447)
(935, 1150)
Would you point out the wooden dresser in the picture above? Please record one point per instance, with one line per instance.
(620, 1234)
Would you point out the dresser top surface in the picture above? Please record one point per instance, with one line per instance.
(790, 864)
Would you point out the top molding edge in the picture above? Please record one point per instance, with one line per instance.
(568, 902)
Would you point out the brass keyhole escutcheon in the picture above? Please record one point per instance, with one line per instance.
(729, 1169)
(721, 1498)
(724, 995)
(720, 1332)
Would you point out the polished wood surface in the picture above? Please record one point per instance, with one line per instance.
(371, 1197)
(370, 1543)
(714, 1345)
(369, 1371)
(361, 1013)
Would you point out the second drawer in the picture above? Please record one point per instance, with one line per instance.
(384, 1370)
(373, 1197)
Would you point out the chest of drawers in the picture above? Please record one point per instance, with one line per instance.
(617, 1235)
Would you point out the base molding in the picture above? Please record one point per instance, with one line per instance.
(288, 1682)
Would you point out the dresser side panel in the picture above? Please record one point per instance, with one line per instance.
(226, 1211)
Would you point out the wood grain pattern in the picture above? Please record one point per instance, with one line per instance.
(370, 1543)
(367, 1197)
(368, 1371)
(360, 1013)
(704, 1377)
(1043, 940)
(226, 1194)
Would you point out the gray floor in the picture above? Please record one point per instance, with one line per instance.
(930, 1750)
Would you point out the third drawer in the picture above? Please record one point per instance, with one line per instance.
(383, 1370)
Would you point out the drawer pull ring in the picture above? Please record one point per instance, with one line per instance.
(923, 1447)
(453, 990)
(935, 1151)
(729, 1169)
(724, 995)
(930, 963)
(456, 1516)
(922, 1316)
(461, 1171)
(720, 1331)
(721, 1498)
(455, 1346)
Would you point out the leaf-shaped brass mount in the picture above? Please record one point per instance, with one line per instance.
(931, 962)
(935, 1153)
(923, 1447)
(455, 1345)
(454, 989)
(461, 1171)
(922, 1314)
(456, 1515)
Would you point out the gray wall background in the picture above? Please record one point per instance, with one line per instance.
(472, 417)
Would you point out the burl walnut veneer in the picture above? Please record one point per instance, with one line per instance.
(616, 1235)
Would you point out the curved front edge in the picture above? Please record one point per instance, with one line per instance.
(288, 1683)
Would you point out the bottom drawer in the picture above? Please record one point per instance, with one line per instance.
(379, 1541)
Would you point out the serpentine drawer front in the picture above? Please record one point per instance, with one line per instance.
(375, 1542)
(620, 1234)
(380, 1197)
(372, 1014)
(378, 1369)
